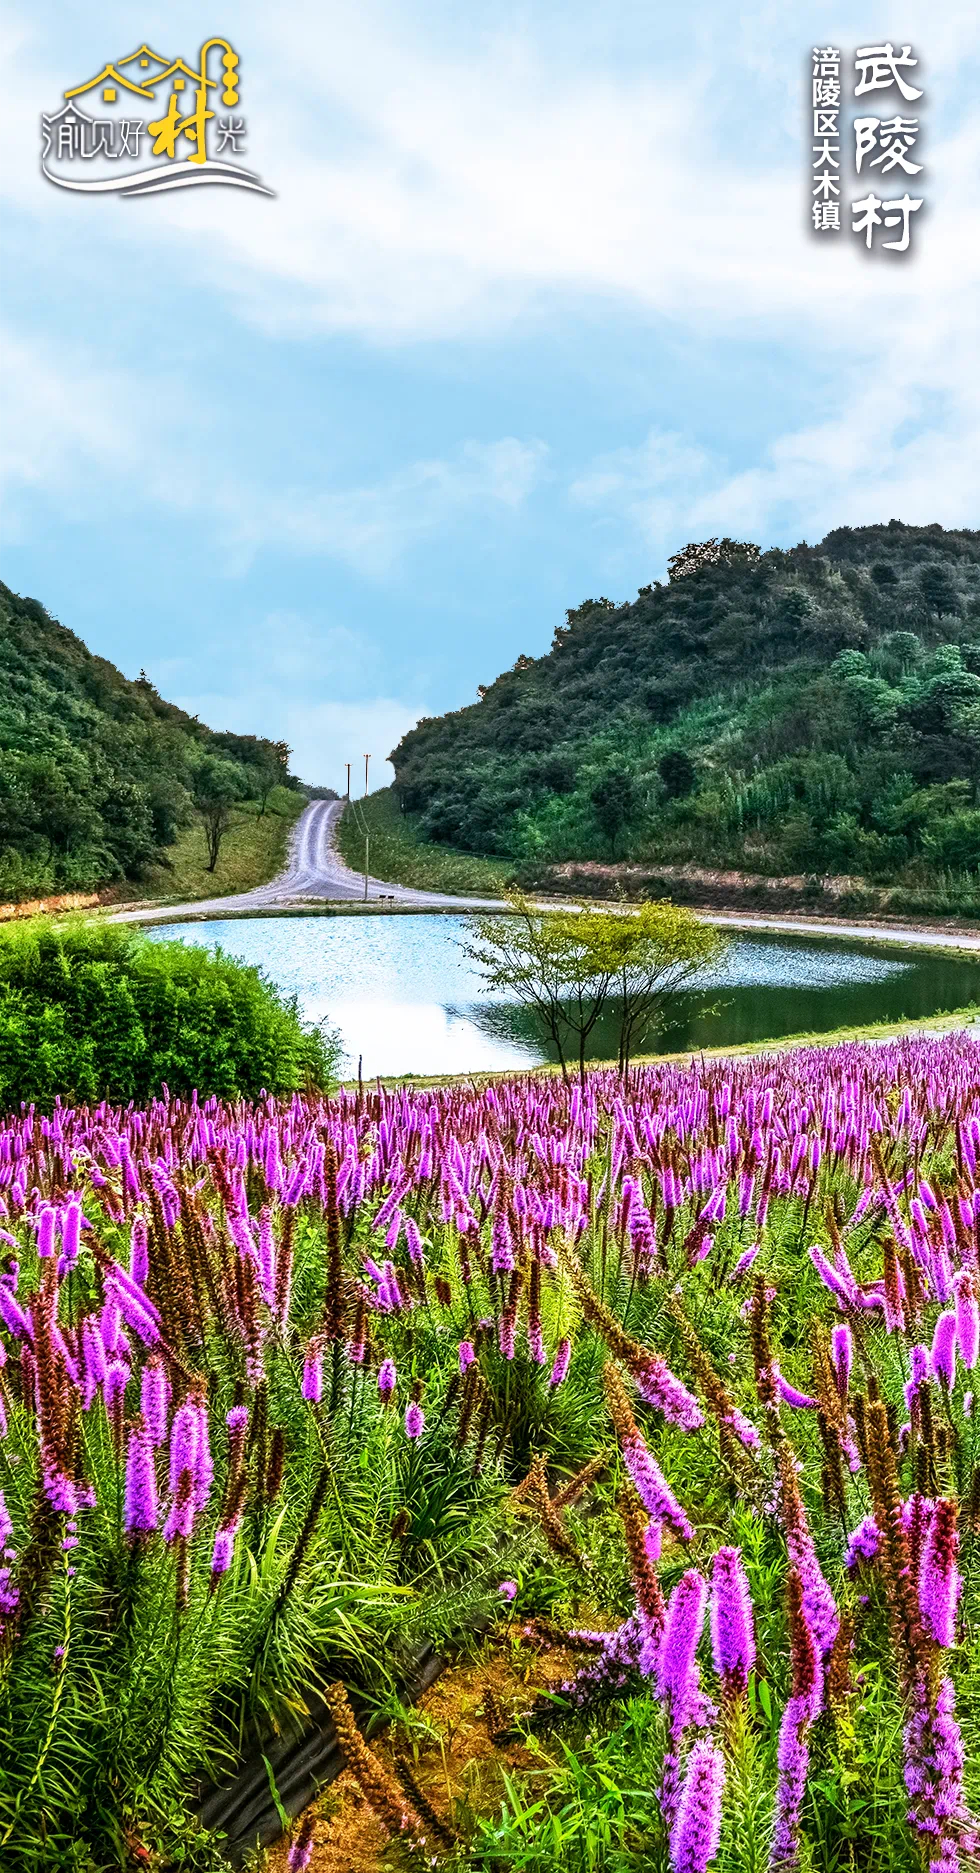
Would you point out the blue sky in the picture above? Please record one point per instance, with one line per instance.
(534, 304)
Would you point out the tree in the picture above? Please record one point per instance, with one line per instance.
(937, 588)
(218, 785)
(697, 554)
(677, 772)
(648, 954)
(568, 965)
(614, 801)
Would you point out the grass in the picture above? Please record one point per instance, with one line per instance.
(933, 1026)
(252, 851)
(400, 855)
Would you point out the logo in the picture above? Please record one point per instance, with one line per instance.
(151, 109)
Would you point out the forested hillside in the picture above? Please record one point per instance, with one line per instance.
(812, 711)
(98, 774)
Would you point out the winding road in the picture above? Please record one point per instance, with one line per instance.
(314, 873)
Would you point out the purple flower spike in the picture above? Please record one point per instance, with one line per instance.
(139, 1258)
(944, 1349)
(653, 1489)
(223, 1551)
(312, 1383)
(842, 1353)
(154, 1400)
(732, 1628)
(863, 1544)
(140, 1513)
(114, 1387)
(658, 1386)
(939, 1576)
(387, 1377)
(185, 1438)
(559, 1370)
(789, 1393)
(508, 1590)
(466, 1355)
(967, 1317)
(414, 1421)
(676, 1669)
(46, 1219)
(696, 1832)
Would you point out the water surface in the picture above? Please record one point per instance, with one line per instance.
(405, 998)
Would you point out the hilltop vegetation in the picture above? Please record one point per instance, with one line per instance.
(812, 711)
(98, 775)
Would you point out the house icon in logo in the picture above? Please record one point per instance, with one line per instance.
(166, 113)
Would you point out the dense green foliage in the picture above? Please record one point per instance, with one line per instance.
(98, 1011)
(97, 773)
(399, 853)
(814, 711)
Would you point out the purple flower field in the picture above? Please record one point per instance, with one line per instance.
(676, 1371)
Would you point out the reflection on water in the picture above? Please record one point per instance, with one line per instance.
(405, 998)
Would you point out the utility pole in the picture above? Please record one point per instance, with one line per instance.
(367, 843)
(367, 758)
(348, 779)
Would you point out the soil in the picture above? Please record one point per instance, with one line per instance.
(447, 1743)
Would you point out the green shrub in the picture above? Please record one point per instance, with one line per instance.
(96, 1011)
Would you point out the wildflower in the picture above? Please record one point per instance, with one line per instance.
(676, 1669)
(301, 1847)
(793, 1756)
(939, 1577)
(648, 1479)
(696, 1832)
(312, 1380)
(732, 1630)
(745, 1261)
(414, 1421)
(967, 1307)
(387, 1377)
(944, 1349)
(140, 1516)
(863, 1543)
(560, 1368)
(466, 1355)
(658, 1386)
(508, 1589)
(842, 1353)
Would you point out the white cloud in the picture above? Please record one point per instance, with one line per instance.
(70, 430)
(323, 735)
(371, 527)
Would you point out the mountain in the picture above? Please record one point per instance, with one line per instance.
(97, 773)
(809, 711)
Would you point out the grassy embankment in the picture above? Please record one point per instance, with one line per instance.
(399, 855)
(253, 851)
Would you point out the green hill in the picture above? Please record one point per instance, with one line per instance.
(99, 774)
(812, 711)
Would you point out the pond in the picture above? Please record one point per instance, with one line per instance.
(405, 999)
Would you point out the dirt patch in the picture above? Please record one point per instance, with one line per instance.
(447, 1743)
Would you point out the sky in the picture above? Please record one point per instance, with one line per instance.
(534, 303)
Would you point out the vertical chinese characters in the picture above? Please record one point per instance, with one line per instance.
(825, 106)
(885, 144)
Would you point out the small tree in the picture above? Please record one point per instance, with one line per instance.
(614, 803)
(648, 954)
(677, 772)
(218, 785)
(544, 958)
(569, 965)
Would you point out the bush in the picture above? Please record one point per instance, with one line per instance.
(96, 1011)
